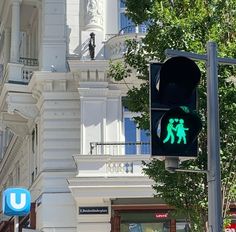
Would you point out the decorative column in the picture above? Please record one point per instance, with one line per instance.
(7, 45)
(39, 7)
(93, 22)
(15, 31)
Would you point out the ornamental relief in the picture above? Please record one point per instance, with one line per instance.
(95, 12)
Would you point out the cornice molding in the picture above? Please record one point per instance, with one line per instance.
(15, 123)
(22, 104)
(50, 82)
(98, 93)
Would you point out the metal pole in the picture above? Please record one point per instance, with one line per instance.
(213, 138)
(16, 224)
(195, 56)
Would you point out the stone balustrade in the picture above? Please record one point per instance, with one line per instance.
(110, 165)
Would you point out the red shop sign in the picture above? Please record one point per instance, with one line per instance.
(161, 215)
(231, 228)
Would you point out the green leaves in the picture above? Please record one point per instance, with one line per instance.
(118, 70)
(139, 10)
(186, 25)
(181, 190)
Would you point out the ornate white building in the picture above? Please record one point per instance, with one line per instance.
(64, 133)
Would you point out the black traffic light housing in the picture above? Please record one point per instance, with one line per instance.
(174, 124)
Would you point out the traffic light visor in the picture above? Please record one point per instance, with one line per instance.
(178, 78)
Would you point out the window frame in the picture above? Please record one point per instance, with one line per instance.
(34, 162)
(130, 115)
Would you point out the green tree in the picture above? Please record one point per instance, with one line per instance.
(186, 25)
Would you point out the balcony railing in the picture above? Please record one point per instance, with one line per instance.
(127, 148)
(20, 72)
(110, 165)
(27, 72)
(115, 45)
(28, 61)
(133, 29)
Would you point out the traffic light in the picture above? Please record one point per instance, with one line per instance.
(175, 124)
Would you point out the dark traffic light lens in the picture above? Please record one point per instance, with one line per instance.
(178, 78)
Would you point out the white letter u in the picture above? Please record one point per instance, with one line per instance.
(22, 200)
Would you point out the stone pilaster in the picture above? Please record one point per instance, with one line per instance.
(53, 36)
(15, 31)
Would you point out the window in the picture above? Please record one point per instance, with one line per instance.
(23, 44)
(10, 180)
(5, 139)
(126, 24)
(34, 156)
(137, 141)
(18, 173)
(1, 144)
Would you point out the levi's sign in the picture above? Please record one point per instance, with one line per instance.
(93, 210)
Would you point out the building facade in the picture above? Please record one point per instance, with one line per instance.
(65, 135)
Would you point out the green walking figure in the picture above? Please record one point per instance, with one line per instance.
(180, 132)
(170, 132)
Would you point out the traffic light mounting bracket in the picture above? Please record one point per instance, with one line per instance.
(172, 166)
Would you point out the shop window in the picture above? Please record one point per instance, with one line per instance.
(182, 227)
(143, 222)
(145, 227)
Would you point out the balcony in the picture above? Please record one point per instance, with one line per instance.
(101, 174)
(113, 159)
(20, 72)
(115, 45)
(109, 165)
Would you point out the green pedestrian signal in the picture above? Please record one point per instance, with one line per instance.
(170, 132)
(175, 128)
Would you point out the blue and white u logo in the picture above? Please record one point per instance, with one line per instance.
(16, 202)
